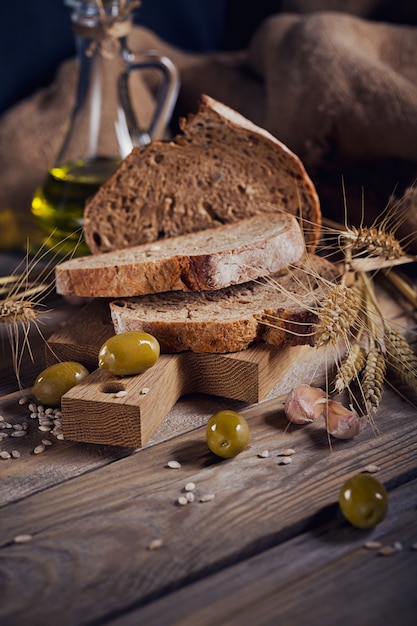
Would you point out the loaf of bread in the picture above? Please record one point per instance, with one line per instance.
(278, 310)
(222, 168)
(212, 259)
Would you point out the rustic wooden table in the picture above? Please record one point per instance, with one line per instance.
(93, 534)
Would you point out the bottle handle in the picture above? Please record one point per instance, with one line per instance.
(166, 96)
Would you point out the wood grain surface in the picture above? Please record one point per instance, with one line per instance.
(270, 548)
(93, 531)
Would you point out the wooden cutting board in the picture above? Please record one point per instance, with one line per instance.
(94, 411)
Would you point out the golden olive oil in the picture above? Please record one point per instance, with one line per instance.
(58, 206)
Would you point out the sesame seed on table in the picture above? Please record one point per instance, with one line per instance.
(168, 533)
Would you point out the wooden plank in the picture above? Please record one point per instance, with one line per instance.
(63, 460)
(322, 576)
(88, 559)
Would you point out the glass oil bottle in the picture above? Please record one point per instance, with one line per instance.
(103, 128)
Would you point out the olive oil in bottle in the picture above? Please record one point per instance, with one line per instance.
(58, 205)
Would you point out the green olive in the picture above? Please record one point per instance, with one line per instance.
(57, 379)
(129, 353)
(227, 433)
(363, 501)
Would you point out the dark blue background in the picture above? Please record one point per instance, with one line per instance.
(36, 35)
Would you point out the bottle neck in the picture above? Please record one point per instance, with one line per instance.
(102, 26)
(98, 127)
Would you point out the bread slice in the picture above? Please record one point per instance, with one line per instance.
(278, 310)
(211, 259)
(221, 169)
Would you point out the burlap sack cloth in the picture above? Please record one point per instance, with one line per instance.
(339, 90)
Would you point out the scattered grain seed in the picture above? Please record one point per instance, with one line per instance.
(372, 545)
(33, 416)
(17, 426)
(189, 487)
(32, 408)
(2, 425)
(371, 468)
(144, 390)
(49, 411)
(286, 460)
(287, 452)
(190, 496)
(1, 418)
(174, 464)
(182, 500)
(22, 538)
(40, 408)
(155, 544)
(45, 421)
(60, 436)
(208, 497)
(23, 400)
(15, 454)
(39, 449)
(121, 394)
(264, 454)
(44, 428)
(398, 546)
(18, 433)
(46, 442)
(389, 550)
(3, 435)
(57, 412)
(8, 425)
(5, 455)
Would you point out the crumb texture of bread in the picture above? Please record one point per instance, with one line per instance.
(212, 259)
(222, 168)
(278, 310)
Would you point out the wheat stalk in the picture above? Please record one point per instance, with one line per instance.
(24, 294)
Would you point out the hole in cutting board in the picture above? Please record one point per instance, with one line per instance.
(113, 386)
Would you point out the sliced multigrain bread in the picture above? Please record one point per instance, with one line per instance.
(220, 169)
(211, 259)
(278, 310)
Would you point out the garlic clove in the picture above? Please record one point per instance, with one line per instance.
(341, 422)
(304, 404)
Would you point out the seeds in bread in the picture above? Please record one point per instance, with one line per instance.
(212, 259)
(231, 319)
(221, 169)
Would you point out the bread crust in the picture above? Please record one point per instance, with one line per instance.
(222, 168)
(278, 310)
(211, 259)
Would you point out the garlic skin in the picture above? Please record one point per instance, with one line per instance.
(304, 404)
(343, 423)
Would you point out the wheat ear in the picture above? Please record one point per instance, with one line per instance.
(373, 378)
(401, 357)
(337, 314)
(349, 368)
